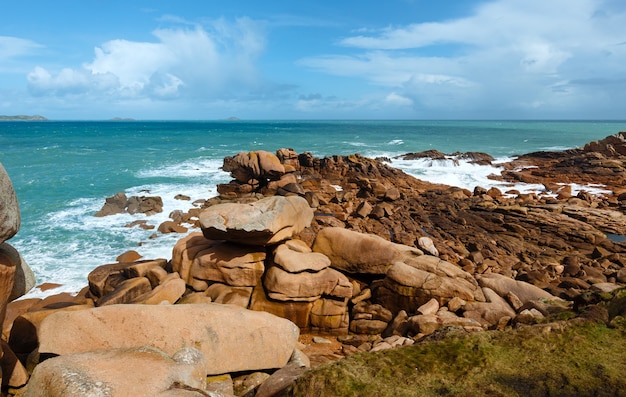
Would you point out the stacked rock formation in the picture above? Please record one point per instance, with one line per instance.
(247, 255)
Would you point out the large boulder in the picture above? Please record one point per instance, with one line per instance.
(264, 222)
(9, 208)
(231, 338)
(138, 371)
(504, 285)
(360, 253)
(253, 165)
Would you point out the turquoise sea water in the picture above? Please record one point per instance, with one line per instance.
(63, 171)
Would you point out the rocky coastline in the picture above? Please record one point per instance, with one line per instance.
(303, 260)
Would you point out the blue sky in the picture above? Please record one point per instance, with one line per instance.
(398, 59)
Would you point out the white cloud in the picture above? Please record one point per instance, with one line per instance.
(210, 61)
(507, 55)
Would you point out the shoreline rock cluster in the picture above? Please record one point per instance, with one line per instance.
(345, 246)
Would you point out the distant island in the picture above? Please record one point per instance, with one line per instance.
(122, 119)
(23, 118)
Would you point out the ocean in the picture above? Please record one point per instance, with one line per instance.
(62, 171)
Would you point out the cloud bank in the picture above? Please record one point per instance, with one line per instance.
(510, 57)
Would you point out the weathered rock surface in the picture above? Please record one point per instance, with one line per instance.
(264, 222)
(139, 371)
(265, 342)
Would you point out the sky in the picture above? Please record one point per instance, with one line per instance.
(276, 59)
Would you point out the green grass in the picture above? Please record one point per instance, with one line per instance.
(574, 360)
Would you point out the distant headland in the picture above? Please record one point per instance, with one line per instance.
(23, 118)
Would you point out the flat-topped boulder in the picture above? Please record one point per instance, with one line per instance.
(263, 222)
(231, 338)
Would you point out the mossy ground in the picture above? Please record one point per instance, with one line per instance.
(548, 360)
